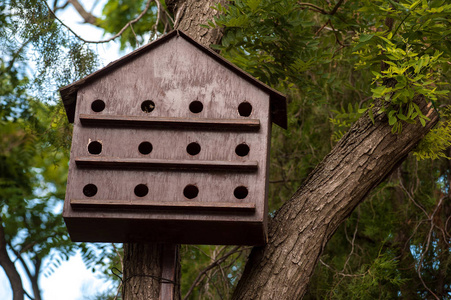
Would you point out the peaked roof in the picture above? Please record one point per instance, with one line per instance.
(278, 100)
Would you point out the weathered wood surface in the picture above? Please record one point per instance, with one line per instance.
(174, 86)
(166, 164)
(172, 123)
(69, 93)
(168, 289)
(185, 206)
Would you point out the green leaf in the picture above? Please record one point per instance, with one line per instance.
(401, 116)
(378, 92)
(422, 121)
(253, 4)
(414, 5)
(362, 110)
(365, 38)
(370, 114)
(392, 118)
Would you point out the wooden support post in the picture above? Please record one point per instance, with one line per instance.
(169, 272)
(146, 266)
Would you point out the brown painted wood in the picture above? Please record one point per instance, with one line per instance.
(70, 97)
(125, 230)
(225, 207)
(171, 123)
(168, 272)
(165, 164)
(173, 76)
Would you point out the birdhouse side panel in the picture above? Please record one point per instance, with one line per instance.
(167, 183)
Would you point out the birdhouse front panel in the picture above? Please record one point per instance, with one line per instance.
(171, 145)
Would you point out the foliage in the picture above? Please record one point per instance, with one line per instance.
(35, 135)
(214, 283)
(117, 13)
(337, 67)
(434, 144)
(335, 60)
(58, 57)
(32, 182)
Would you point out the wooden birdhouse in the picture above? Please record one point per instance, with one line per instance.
(170, 144)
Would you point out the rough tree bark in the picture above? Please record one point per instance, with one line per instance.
(298, 233)
(300, 230)
(190, 14)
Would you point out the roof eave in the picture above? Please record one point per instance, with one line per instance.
(278, 100)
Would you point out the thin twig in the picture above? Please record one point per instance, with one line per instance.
(352, 242)
(446, 226)
(336, 34)
(321, 28)
(118, 290)
(122, 268)
(341, 273)
(56, 8)
(334, 10)
(412, 199)
(180, 13)
(118, 254)
(427, 248)
(136, 38)
(209, 267)
(155, 27)
(102, 41)
(319, 9)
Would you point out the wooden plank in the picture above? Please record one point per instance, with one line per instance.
(170, 122)
(162, 205)
(165, 164)
(169, 261)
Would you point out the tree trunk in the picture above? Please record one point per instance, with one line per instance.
(190, 14)
(300, 230)
(10, 269)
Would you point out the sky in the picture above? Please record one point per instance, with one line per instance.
(71, 280)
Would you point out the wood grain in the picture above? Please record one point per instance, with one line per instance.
(172, 76)
(165, 164)
(161, 205)
(172, 123)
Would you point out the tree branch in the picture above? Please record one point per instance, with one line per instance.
(88, 17)
(32, 277)
(102, 41)
(298, 233)
(9, 268)
(321, 10)
(317, 8)
(56, 7)
(336, 7)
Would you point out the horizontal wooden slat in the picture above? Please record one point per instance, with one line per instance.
(160, 205)
(171, 123)
(165, 165)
